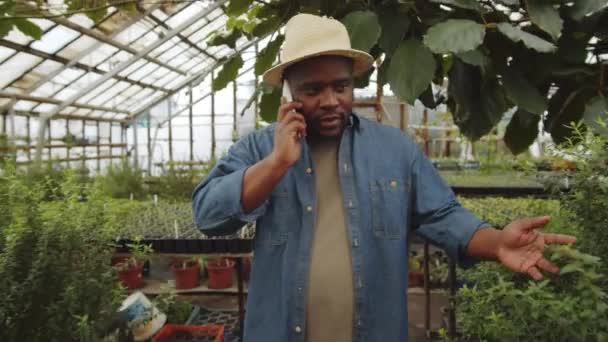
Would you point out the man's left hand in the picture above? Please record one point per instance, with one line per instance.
(521, 246)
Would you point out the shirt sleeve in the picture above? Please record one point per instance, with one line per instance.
(216, 202)
(437, 214)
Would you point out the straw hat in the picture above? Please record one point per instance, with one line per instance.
(307, 36)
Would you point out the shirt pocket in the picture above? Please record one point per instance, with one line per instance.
(389, 208)
(274, 225)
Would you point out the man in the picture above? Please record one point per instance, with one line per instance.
(334, 197)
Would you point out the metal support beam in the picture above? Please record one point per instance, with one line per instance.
(149, 145)
(170, 131)
(212, 120)
(76, 65)
(66, 116)
(135, 146)
(181, 37)
(29, 138)
(67, 134)
(191, 81)
(191, 122)
(189, 106)
(4, 94)
(103, 38)
(235, 110)
(122, 66)
(111, 142)
(98, 147)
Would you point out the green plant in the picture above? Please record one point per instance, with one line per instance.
(588, 199)
(55, 277)
(498, 56)
(123, 181)
(177, 309)
(566, 307)
(140, 252)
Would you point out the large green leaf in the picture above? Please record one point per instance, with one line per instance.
(596, 115)
(566, 106)
(238, 7)
(229, 72)
(521, 131)
(363, 29)
(6, 26)
(466, 4)
(474, 57)
(411, 70)
(545, 16)
(530, 40)
(582, 8)
(28, 28)
(522, 93)
(268, 55)
(269, 105)
(225, 38)
(455, 35)
(267, 26)
(477, 103)
(394, 27)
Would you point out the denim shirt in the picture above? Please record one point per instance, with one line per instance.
(389, 189)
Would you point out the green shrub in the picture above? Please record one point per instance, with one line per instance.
(567, 307)
(55, 275)
(123, 181)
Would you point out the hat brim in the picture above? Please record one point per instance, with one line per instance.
(362, 63)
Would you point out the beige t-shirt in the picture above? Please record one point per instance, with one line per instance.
(330, 295)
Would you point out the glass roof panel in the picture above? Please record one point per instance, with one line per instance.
(65, 94)
(145, 71)
(5, 53)
(54, 39)
(184, 15)
(76, 47)
(82, 20)
(17, 37)
(46, 107)
(14, 67)
(25, 105)
(131, 68)
(175, 82)
(68, 76)
(133, 32)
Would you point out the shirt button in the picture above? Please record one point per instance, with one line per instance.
(298, 329)
(393, 184)
(309, 209)
(308, 170)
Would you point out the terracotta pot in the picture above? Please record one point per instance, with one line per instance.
(130, 277)
(415, 279)
(188, 277)
(220, 273)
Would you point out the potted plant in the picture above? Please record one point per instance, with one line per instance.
(130, 269)
(220, 272)
(186, 273)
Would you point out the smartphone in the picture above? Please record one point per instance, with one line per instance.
(287, 92)
(289, 97)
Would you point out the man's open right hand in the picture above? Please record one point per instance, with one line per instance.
(290, 128)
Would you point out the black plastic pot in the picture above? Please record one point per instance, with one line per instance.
(168, 246)
(157, 246)
(245, 245)
(181, 246)
(206, 246)
(220, 246)
(193, 246)
(232, 246)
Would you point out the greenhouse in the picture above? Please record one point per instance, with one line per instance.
(296, 170)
